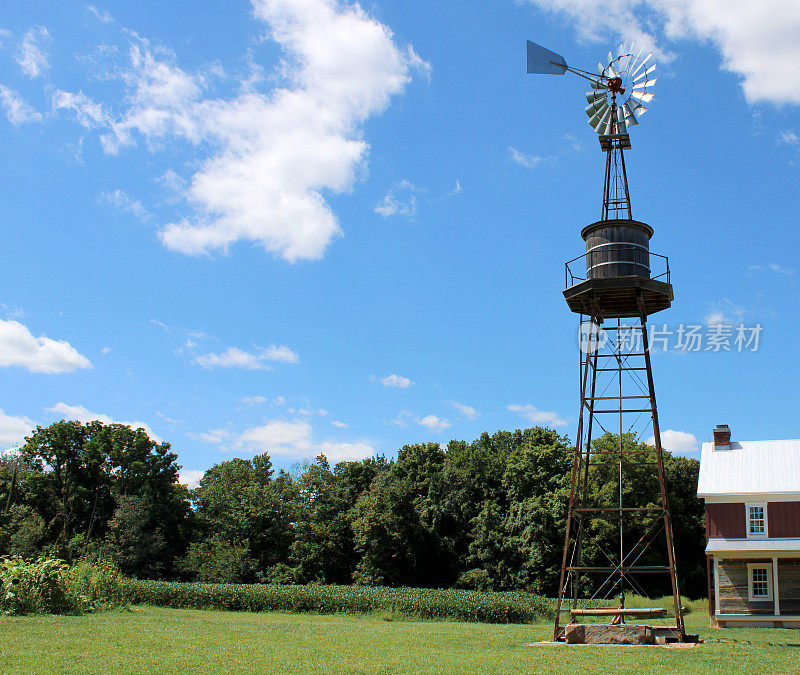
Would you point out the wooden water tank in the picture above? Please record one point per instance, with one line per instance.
(617, 248)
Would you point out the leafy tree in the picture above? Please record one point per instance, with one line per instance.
(240, 507)
(137, 538)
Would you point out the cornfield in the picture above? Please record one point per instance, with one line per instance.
(462, 605)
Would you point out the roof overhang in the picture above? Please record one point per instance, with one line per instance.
(753, 546)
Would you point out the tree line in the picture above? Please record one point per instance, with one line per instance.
(487, 514)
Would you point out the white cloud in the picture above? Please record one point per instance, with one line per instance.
(393, 381)
(790, 138)
(124, 202)
(88, 113)
(308, 412)
(253, 400)
(279, 401)
(400, 200)
(340, 425)
(400, 420)
(279, 437)
(433, 423)
(465, 410)
(191, 477)
(757, 40)
(536, 416)
(274, 154)
(170, 420)
(677, 442)
(100, 14)
(234, 357)
(295, 439)
(32, 53)
(81, 414)
(345, 452)
(13, 430)
(724, 313)
(18, 347)
(106, 350)
(524, 159)
(771, 267)
(215, 436)
(18, 111)
(286, 438)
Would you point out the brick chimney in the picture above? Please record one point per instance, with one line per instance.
(722, 436)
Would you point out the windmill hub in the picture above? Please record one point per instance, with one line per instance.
(615, 85)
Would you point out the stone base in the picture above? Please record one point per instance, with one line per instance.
(608, 634)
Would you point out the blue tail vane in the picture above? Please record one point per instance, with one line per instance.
(542, 61)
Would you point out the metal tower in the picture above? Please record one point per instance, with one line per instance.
(620, 284)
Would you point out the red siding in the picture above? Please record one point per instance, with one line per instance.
(726, 521)
(783, 519)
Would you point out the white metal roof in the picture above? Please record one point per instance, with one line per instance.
(745, 545)
(749, 467)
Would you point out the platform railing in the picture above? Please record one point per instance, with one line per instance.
(662, 264)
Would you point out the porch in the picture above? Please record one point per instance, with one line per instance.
(754, 583)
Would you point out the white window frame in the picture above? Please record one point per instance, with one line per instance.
(756, 535)
(759, 598)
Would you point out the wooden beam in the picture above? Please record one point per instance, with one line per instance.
(644, 611)
(775, 589)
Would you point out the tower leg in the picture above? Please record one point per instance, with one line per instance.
(676, 593)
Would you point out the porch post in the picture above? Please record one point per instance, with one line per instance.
(716, 585)
(711, 595)
(775, 589)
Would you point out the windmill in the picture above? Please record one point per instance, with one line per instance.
(614, 287)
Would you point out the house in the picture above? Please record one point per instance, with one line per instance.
(752, 500)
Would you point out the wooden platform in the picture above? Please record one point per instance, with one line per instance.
(618, 297)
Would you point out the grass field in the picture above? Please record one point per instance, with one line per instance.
(151, 639)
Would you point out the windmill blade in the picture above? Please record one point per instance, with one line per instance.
(645, 98)
(611, 71)
(607, 127)
(542, 61)
(635, 60)
(595, 119)
(644, 85)
(594, 84)
(642, 64)
(639, 110)
(596, 107)
(630, 118)
(603, 121)
(645, 73)
(592, 96)
(621, 127)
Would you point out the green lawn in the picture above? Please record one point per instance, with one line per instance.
(173, 640)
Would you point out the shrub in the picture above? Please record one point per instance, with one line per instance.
(463, 605)
(99, 580)
(50, 586)
(37, 587)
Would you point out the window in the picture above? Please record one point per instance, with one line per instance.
(756, 520)
(759, 581)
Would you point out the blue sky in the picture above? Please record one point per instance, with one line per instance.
(306, 226)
